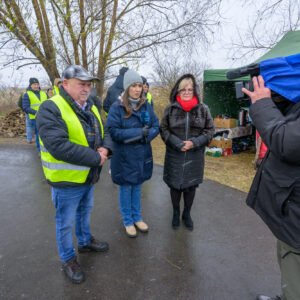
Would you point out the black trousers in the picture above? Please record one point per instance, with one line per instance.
(188, 197)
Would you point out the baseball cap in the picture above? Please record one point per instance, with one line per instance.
(78, 72)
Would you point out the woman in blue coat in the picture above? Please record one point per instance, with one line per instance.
(132, 125)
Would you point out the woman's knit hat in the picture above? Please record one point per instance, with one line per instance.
(131, 77)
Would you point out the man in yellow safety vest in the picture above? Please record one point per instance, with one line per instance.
(31, 102)
(147, 94)
(57, 84)
(74, 148)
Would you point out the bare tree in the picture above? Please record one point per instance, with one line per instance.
(273, 19)
(98, 34)
(168, 67)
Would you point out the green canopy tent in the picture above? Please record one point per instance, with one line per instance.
(219, 92)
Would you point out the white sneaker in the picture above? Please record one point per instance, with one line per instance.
(142, 226)
(131, 231)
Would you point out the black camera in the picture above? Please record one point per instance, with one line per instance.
(238, 89)
(252, 70)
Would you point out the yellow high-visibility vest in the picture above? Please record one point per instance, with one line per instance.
(60, 171)
(35, 102)
(55, 90)
(149, 98)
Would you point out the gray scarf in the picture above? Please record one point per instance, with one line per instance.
(133, 102)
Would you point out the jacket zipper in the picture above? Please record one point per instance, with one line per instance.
(186, 137)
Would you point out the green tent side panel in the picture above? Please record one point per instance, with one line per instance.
(220, 98)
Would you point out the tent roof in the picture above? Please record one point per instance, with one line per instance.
(288, 45)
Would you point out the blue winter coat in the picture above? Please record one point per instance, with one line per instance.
(132, 161)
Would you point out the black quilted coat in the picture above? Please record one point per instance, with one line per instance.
(275, 191)
(185, 169)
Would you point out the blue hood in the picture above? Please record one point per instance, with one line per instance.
(282, 75)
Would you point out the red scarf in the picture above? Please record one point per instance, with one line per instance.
(187, 105)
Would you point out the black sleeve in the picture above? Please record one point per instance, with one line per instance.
(54, 134)
(169, 138)
(208, 131)
(107, 143)
(280, 133)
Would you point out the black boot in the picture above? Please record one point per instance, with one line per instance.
(176, 218)
(187, 220)
(73, 271)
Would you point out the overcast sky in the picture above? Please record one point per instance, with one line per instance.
(233, 13)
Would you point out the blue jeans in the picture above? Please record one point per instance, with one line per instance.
(72, 204)
(130, 203)
(30, 128)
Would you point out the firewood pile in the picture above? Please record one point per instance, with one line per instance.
(13, 124)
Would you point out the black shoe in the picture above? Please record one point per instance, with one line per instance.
(94, 246)
(187, 220)
(262, 297)
(176, 218)
(72, 270)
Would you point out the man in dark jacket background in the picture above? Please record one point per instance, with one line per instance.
(115, 90)
(73, 149)
(275, 191)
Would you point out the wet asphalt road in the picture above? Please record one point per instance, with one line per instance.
(229, 255)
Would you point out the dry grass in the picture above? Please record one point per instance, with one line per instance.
(235, 171)
(8, 99)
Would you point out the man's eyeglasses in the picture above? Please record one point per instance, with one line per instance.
(186, 91)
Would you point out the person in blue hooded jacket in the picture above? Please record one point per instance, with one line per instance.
(132, 125)
(114, 91)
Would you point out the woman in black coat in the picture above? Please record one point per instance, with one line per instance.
(186, 128)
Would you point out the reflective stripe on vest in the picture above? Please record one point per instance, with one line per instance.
(149, 98)
(35, 102)
(60, 171)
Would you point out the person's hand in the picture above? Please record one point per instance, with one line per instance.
(103, 155)
(187, 146)
(145, 131)
(260, 91)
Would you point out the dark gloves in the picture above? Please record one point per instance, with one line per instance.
(145, 131)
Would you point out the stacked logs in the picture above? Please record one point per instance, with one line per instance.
(13, 124)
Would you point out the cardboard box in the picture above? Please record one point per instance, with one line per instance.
(225, 123)
(222, 143)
